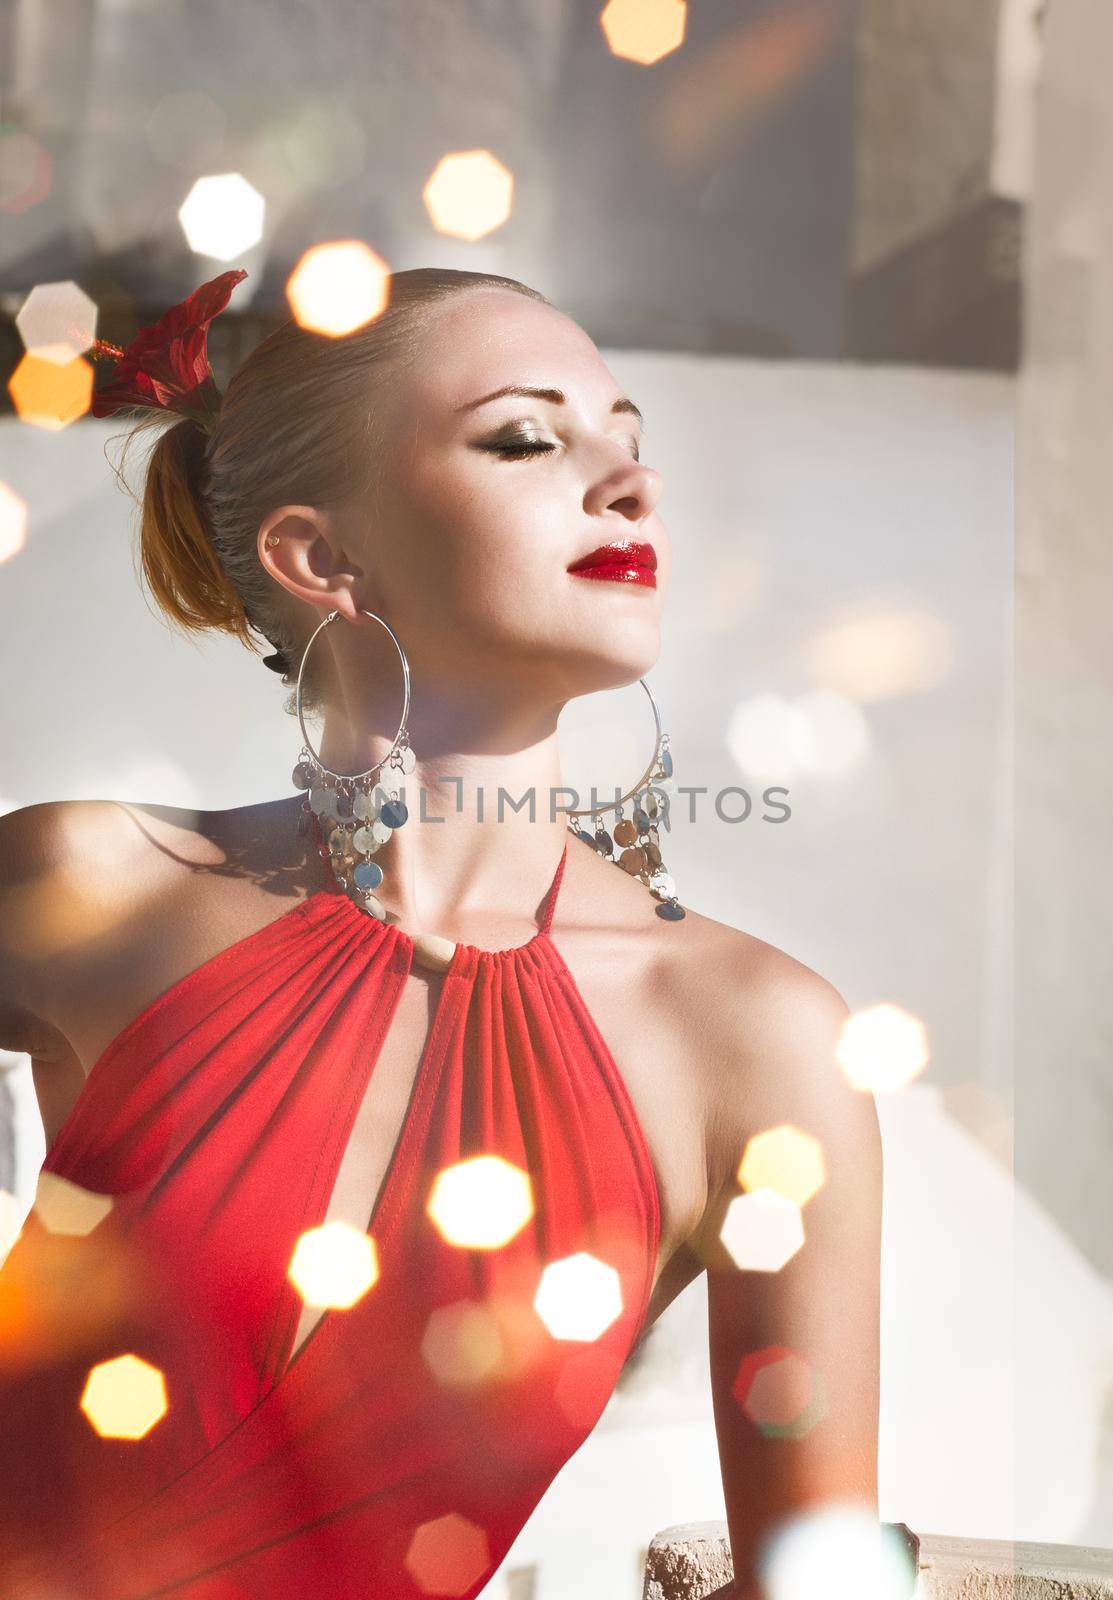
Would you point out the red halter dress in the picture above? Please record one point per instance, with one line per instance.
(404, 1446)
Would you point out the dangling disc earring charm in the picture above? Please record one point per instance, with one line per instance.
(638, 837)
(353, 813)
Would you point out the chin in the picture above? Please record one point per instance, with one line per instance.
(613, 661)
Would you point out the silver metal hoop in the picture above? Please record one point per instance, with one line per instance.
(591, 811)
(399, 738)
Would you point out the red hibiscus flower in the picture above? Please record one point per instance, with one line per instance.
(167, 365)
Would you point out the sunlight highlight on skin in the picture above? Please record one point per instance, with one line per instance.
(50, 916)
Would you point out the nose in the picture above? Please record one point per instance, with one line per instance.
(630, 488)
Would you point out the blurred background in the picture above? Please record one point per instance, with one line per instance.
(852, 261)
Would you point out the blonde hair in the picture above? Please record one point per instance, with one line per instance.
(297, 425)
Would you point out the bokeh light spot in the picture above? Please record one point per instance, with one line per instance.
(886, 654)
(882, 1048)
(779, 1392)
(334, 1265)
(447, 1555)
(57, 322)
(480, 1203)
(462, 1344)
(13, 523)
(469, 194)
(820, 732)
(762, 1230)
(338, 287)
(785, 1159)
(578, 1297)
(64, 1207)
(26, 171)
(643, 30)
(222, 215)
(125, 1397)
(49, 396)
(838, 1550)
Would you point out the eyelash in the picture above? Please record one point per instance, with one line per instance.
(530, 448)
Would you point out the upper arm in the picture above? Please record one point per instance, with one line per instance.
(794, 1352)
(50, 855)
(68, 869)
(28, 846)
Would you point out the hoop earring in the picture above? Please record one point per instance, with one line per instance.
(354, 815)
(640, 836)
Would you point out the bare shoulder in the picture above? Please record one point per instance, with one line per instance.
(70, 871)
(766, 1029)
(96, 850)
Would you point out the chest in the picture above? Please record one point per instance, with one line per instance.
(645, 1056)
(311, 1072)
(312, 1075)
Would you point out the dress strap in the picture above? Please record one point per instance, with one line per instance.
(553, 891)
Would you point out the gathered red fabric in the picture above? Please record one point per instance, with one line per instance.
(402, 1448)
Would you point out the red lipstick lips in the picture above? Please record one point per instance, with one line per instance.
(625, 561)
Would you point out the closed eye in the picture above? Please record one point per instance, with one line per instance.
(522, 447)
(518, 449)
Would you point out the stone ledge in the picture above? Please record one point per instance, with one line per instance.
(693, 1560)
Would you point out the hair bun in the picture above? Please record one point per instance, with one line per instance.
(277, 662)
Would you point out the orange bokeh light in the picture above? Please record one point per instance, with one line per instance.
(339, 287)
(51, 396)
(644, 30)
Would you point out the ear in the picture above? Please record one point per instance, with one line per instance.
(306, 555)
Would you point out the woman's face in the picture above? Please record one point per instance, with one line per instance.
(484, 505)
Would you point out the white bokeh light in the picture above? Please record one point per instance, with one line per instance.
(222, 216)
(762, 1230)
(839, 1551)
(821, 732)
(578, 1297)
(57, 322)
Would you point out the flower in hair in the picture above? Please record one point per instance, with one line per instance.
(166, 366)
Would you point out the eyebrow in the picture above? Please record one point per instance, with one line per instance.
(556, 396)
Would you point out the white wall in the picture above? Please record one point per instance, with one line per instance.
(800, 499)
(1064, 675)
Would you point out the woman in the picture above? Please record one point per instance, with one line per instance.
(434, 481)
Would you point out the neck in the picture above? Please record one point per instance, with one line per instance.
(485, 829)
